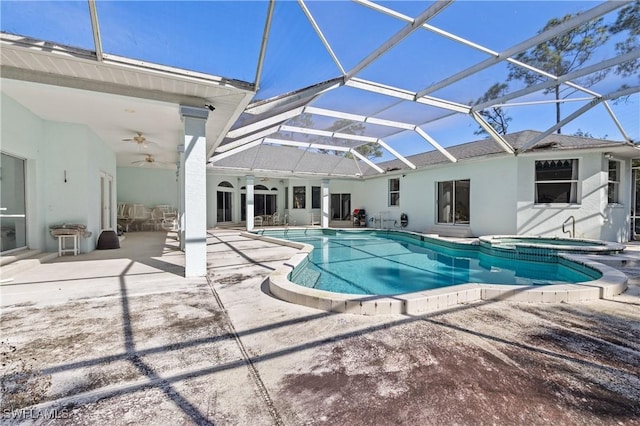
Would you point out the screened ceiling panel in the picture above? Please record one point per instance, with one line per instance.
(419, 60)
(305, 81)
(354, 101)
(503, 23)
(412, 112)
(347, 28)
(197, 35)
(66, 22)
(468, 90)
(282, 48)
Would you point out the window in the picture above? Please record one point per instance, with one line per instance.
(453, 201)
(299, 197)
(340, 206)
(286, 198)
(556, 181)
(394, 192)
(613, 184)
(315, 197)
(264, 202)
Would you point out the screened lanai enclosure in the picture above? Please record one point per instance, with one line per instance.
(363, 82)
(178, 97)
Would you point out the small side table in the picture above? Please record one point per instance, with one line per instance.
(62, 246)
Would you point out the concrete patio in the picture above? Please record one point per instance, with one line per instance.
(120, 337)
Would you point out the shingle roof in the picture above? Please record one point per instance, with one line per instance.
(486, 147)
(296, 161)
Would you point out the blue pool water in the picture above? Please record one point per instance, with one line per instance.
(371, 263)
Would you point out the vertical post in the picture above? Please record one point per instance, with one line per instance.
(325, 203)
(250, 206)
(194, 190)
(180, 178)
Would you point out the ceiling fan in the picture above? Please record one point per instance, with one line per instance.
(149, 160)
(140, 140)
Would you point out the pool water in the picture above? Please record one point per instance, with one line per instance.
(367, 263)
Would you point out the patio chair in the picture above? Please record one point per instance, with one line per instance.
(275, 219)
(257, 221)
(169, 219)
(125, 215)
(140, 215)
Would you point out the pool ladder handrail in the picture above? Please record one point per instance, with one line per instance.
(572, 232)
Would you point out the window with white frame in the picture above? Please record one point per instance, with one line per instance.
(556, 181)
(394, 192)
(613, 182)
(299, 197)
(315, 197)
(454, 202)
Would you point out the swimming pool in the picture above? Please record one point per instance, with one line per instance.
(415, 301)
(374, 263)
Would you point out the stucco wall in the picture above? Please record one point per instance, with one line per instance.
(22, 134)
(491, 210)
(50, 149)
(148, 186)
(594, 218)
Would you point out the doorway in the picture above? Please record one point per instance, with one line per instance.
(106, 201)
(13, 214)
(223, 200)
(635, 202)
(340, 206)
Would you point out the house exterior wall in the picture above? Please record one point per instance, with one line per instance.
(502, 197)
(492, 211)
(594, 217)
(50, 149)
(144, 185)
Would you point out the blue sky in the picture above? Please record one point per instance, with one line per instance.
(223, 38)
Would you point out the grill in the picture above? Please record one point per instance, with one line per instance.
(359, 217)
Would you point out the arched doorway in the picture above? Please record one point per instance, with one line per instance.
(224, 202)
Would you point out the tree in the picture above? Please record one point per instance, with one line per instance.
(628, 20)
(495, 116)
(582, 134)
(302, 120)
(561, 55)
(369, 150)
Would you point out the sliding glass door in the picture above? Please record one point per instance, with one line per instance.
(13, 217)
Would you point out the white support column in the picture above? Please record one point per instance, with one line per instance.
(325, 203)
(194, 190)
(250, 203)
(181, 196)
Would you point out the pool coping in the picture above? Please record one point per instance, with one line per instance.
(612, 283)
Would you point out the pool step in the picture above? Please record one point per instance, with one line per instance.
(620, 260)
(308, 277)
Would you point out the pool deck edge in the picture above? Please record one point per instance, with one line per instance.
(611, 283)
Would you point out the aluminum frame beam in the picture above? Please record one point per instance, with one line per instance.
(465, 42)
(429, 13)
(576, 114)
(263, 45)
(313, 145)
(347, 136)
(576, 21)
(95, 29)
(320, 34)
(389, 123)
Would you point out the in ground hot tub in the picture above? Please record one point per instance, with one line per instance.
(550, 244)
